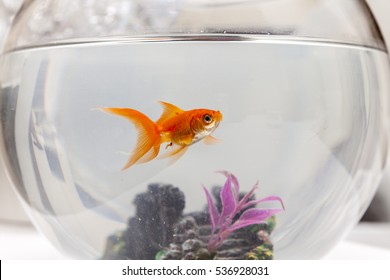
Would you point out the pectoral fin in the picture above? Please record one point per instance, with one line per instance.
(211, 140)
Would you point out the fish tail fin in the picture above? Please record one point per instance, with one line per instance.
(148, 140)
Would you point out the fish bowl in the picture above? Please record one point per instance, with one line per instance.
(194, 129)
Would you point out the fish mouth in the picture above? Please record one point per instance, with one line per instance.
(220, 116)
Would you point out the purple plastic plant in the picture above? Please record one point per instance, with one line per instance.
(222, 224)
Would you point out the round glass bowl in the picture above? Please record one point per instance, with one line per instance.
(293, 94)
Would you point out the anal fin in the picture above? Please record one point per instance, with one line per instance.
(176, 153)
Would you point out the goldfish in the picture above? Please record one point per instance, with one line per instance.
(176, 127)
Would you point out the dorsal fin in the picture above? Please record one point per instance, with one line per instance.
(169, 112)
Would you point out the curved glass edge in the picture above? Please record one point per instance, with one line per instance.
(47, 22)
(271, 39)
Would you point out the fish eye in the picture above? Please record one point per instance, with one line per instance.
(207, 119)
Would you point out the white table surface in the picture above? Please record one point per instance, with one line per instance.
(366, 241)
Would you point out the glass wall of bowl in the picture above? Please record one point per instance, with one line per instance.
(10, 209)
(379, 209)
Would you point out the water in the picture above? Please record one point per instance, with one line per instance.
(304, 118)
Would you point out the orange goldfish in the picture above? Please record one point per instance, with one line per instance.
(178, 128)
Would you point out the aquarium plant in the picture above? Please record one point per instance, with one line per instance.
(228, 220)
